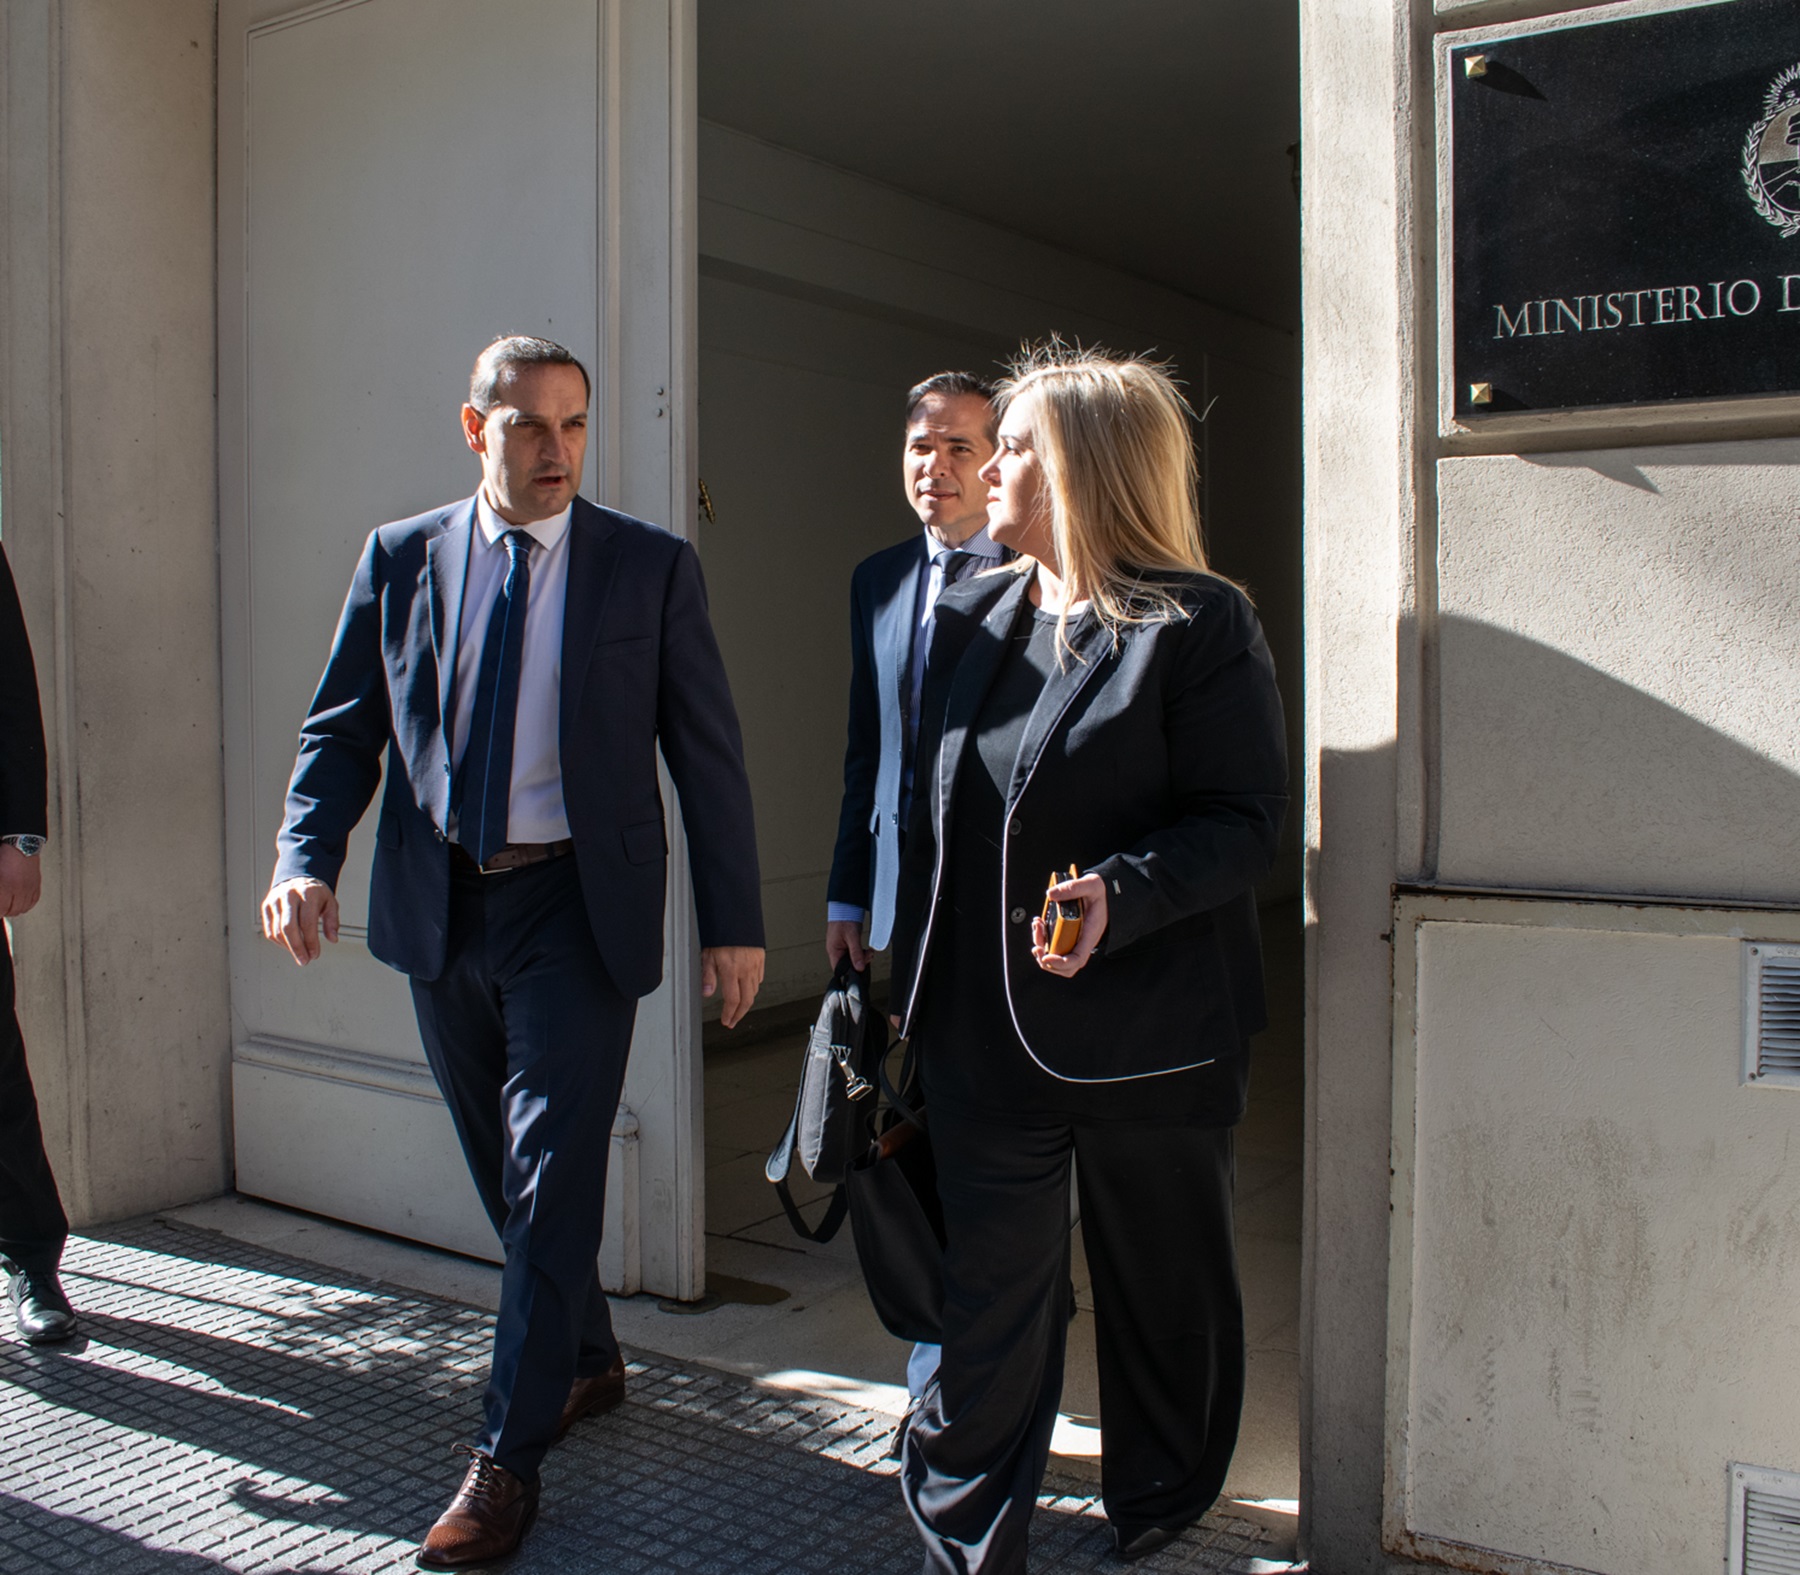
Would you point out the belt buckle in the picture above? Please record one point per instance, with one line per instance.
(469, 861)
(516, 855)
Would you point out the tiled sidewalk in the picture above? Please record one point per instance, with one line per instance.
(230, 1409)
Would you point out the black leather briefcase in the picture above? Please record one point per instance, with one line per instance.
(833, 1125)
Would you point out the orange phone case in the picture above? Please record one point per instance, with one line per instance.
(1062, 919)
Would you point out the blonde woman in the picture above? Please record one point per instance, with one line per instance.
(1106, 702)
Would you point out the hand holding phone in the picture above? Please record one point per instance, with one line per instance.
(1062, 920)
(1073, 923)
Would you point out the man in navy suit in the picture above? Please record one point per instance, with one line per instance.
(950, 429)
(949, 437)
(520, 656)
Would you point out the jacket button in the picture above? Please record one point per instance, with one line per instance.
(1018, 915)
(1015, 828)
(440, 833)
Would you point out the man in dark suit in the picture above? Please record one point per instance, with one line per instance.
(519, 656)
(893, 599)
(33, 1227)
(949, 437)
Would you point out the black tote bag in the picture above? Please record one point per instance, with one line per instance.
(897, 1221)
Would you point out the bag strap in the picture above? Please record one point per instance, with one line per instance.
(775, 1171)
(828, 1224)
(895, 1102)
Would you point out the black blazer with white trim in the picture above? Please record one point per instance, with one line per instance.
(1157, 761)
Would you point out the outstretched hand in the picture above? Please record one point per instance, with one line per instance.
(737, 973)
(1090, 891)
(295, 911)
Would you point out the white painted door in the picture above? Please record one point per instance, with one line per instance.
(399, 181)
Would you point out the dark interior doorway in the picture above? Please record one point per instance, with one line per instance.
(885, 192)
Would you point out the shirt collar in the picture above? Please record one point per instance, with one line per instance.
(980, 545)
(546, 533)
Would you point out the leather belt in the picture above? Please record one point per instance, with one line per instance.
(514, 856)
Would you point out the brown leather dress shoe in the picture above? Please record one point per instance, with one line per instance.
(593, 1396)
(488, 1518)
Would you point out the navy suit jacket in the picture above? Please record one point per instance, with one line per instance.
(1159, 763)
(640, 667)
(865, 866)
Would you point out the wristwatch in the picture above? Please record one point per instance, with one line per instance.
(27, 842)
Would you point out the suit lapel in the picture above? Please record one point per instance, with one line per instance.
(1089, 654)
(896, 627)
(447, 565)
(973, 677)
(593, 561)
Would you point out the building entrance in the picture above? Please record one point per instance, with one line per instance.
(884, 194)
(757, 268)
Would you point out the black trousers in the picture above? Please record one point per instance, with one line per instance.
(1169, 1327)
(33, 1226)
(528, 1039)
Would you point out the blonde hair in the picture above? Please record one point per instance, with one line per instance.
(1111, 433)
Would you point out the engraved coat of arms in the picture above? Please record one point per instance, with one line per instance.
(1771, 164)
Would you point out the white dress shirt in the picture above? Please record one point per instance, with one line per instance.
(535, 809)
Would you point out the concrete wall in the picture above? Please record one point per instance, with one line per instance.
(824, 296)
(1555, 654)
(1616, 642)
(1594, 1234)
(1618, 669)
(108, 514)
(1360, 398)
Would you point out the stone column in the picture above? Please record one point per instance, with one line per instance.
(108, 510)
(1362, 103)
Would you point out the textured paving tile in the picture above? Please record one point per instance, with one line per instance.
(231, 1409)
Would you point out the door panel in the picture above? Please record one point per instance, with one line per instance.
(400, 180)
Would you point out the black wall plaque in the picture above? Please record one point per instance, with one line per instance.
(1626, 210)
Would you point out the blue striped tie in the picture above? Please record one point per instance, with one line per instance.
(484, 781)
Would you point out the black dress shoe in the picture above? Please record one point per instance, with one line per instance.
(40, 1309)
(1136, 1544)
(896, 1445)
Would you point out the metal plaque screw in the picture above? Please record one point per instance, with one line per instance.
(1481, 393)
(1475, 65)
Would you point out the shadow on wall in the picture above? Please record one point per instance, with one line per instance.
(1554, 774)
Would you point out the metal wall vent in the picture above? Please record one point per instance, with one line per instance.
(1764, 1516)
(1771, 1014)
